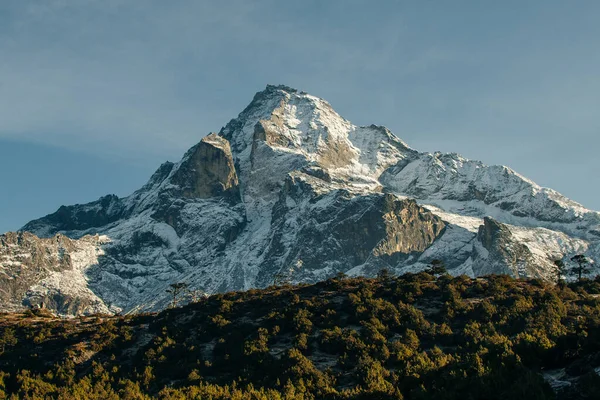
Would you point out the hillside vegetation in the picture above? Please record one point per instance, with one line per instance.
(418, 336)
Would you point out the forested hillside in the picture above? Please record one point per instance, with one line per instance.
(418, 336)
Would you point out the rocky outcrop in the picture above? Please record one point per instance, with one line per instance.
(503, 254)
(409, 228)
(208, 171)
(48, 273)
(316, 235)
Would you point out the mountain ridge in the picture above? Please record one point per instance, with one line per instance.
(282, 188)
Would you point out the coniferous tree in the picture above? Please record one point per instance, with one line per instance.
(340, 276)
(437, 268)
(560, 270)
(384, 274)
(583, 265)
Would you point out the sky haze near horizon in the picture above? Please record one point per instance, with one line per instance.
(95, 95)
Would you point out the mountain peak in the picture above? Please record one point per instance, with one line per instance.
(284, 88)
(286, 129)
(291, 187)
(273, 97)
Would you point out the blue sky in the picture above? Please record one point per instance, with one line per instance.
(95, 94)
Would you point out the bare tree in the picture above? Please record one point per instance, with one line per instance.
(197, 294)
(284, 277)
(176, 289)
(281, 279)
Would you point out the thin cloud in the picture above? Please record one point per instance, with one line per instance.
(111, 75)
(130, 79)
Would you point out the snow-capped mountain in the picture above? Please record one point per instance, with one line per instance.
(290, 188)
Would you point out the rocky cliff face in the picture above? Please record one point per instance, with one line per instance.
(502, 252)
(208, 171)
(290, 188)
(318, 234)
(48, 273)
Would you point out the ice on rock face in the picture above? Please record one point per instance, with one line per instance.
(290, 188)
